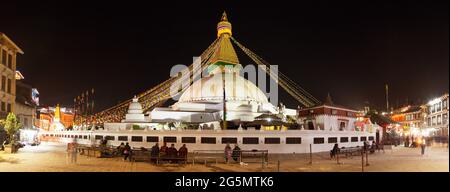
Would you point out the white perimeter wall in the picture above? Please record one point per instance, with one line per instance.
(307, 138)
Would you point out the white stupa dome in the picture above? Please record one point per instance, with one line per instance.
(210, 89)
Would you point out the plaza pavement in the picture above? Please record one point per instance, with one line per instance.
(51, 157)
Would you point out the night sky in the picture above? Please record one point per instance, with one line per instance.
(123, 48)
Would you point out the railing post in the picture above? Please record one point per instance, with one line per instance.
(337, 156)
(310, 154)
(262, 161)
(367, 157)
(362, 160)
(278, 166)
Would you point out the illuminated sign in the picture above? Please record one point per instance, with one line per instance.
(35, 96)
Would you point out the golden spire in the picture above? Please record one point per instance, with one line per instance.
(57, 112)
(224, 53)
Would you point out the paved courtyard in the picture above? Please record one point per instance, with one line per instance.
(51, 157)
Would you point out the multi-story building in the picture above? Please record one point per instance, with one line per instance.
(25, 107)
(437, 117)
(48, 115)
(412, 119)
(8, 54)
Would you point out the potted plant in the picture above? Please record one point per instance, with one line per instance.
(11, 126)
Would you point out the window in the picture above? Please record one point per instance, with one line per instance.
(344, 139)
(342, 126)
(136, 138)
(10, 58)
(354, 139)
(433, 121)
(170, 139)
(429, 121)
(363, 138)
(319, 140)
(444, 104)
(8, 89)
(188, 140)
(3, 59)
(444, 119)
(208, 140)
(439, 120)
(152, 139)
(438, 106)
(123, 138)
(3, 106)
(349, 114)
(334, 112)
(371, 138)
(109, 137)
(250, 140)
(98, 137)
(226, 140)
(293, 140)
(25, 122)
(271, 140)
(3, 83)
(85, 137)
(8, 107)
(332, 139)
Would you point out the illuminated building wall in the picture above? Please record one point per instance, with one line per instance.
(8, 52)
(437, 116)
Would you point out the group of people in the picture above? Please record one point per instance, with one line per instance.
(125, 150)
(169, 153)
(232, 153)
(165, 152)
(366, 146)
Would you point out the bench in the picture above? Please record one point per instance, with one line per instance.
(167, 159)
(139, 155)
(349, 151)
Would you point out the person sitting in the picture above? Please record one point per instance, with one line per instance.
(236, 153)
(172, 153)
(182, 152)
(373, 147)
(334, 151)
(163, 150)
(120, 148)
(154, 153)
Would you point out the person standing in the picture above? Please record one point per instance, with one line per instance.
(74, 151)
(423, 145)
(126, 152)
(236, 153)
(69, 153)
(334, 151)
(228, 152)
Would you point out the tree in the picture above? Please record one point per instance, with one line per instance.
(11, 126)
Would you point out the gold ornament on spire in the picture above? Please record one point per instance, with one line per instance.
(224, 27)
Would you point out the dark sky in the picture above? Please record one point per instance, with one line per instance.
(122, 48)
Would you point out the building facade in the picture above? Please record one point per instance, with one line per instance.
(25, 108)
(8, 54)
(412, 119)
(437, 116)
